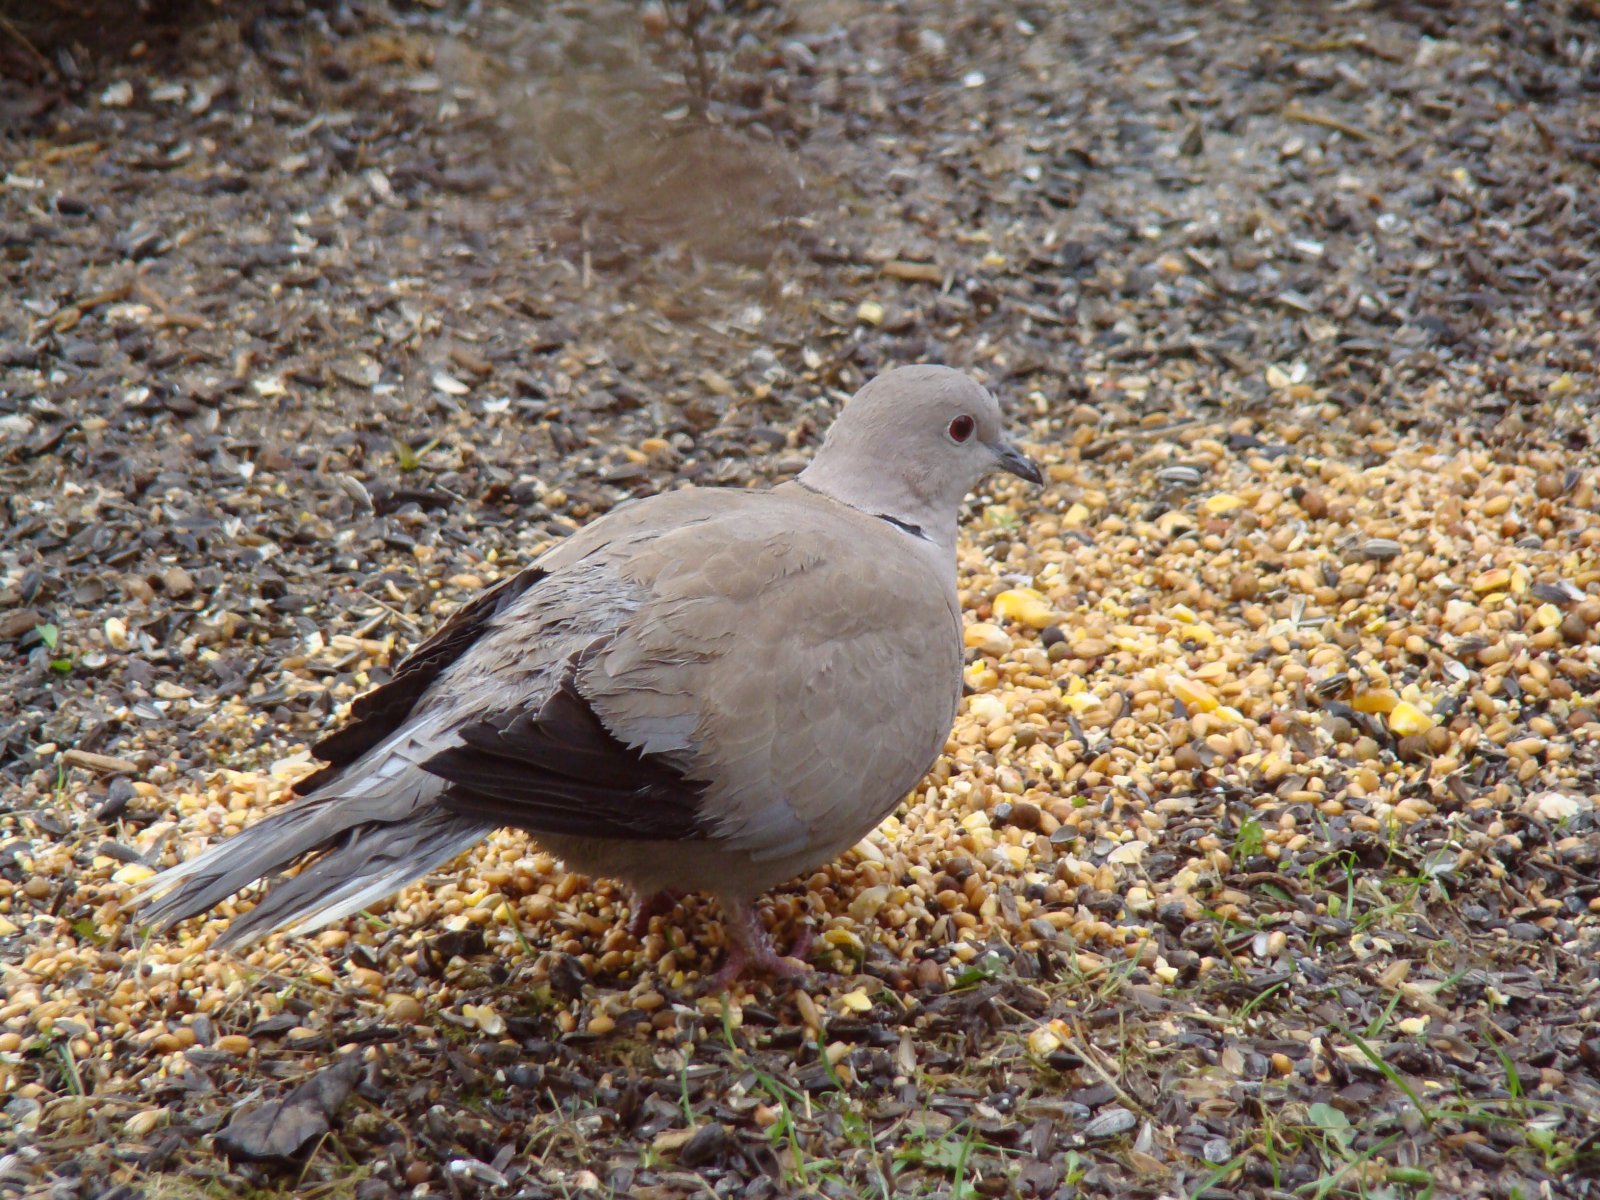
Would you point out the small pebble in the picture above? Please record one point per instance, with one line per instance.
(402, 1008)
(1025, 815)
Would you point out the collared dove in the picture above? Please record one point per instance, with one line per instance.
(706, 690)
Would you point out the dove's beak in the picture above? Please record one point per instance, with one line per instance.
(1009, 458)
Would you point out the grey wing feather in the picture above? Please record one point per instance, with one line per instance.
(370, 822)
(556, 769)
(378, 714)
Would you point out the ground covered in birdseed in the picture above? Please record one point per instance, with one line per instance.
(1264, 858)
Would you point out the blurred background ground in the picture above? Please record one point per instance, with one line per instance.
(1264, 858)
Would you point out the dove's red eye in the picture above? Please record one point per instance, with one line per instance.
(961, 428)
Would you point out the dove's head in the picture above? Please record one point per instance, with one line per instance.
(911, 444)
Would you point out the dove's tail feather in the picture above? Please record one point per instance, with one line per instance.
(349, 861)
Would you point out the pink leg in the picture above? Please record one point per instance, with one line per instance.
(645, 907)
(750, 950)
(801, 947)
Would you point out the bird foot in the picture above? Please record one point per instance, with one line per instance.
(741, 963)
(645, 907)
(751, 952)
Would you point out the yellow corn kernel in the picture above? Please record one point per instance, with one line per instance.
(1378, 700)
(1408, 720)
(1025, 606)
(1222, 502)
(1196, 697)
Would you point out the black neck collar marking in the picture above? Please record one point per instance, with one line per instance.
(913, 530)
(906, 526)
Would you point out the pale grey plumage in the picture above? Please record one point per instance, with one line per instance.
(706, 690)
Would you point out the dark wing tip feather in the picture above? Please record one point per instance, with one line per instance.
(559, 770)
(376, 715)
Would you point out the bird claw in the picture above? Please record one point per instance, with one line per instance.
(750, 949)
(646, 907)
(739, 964)
(751, 952)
